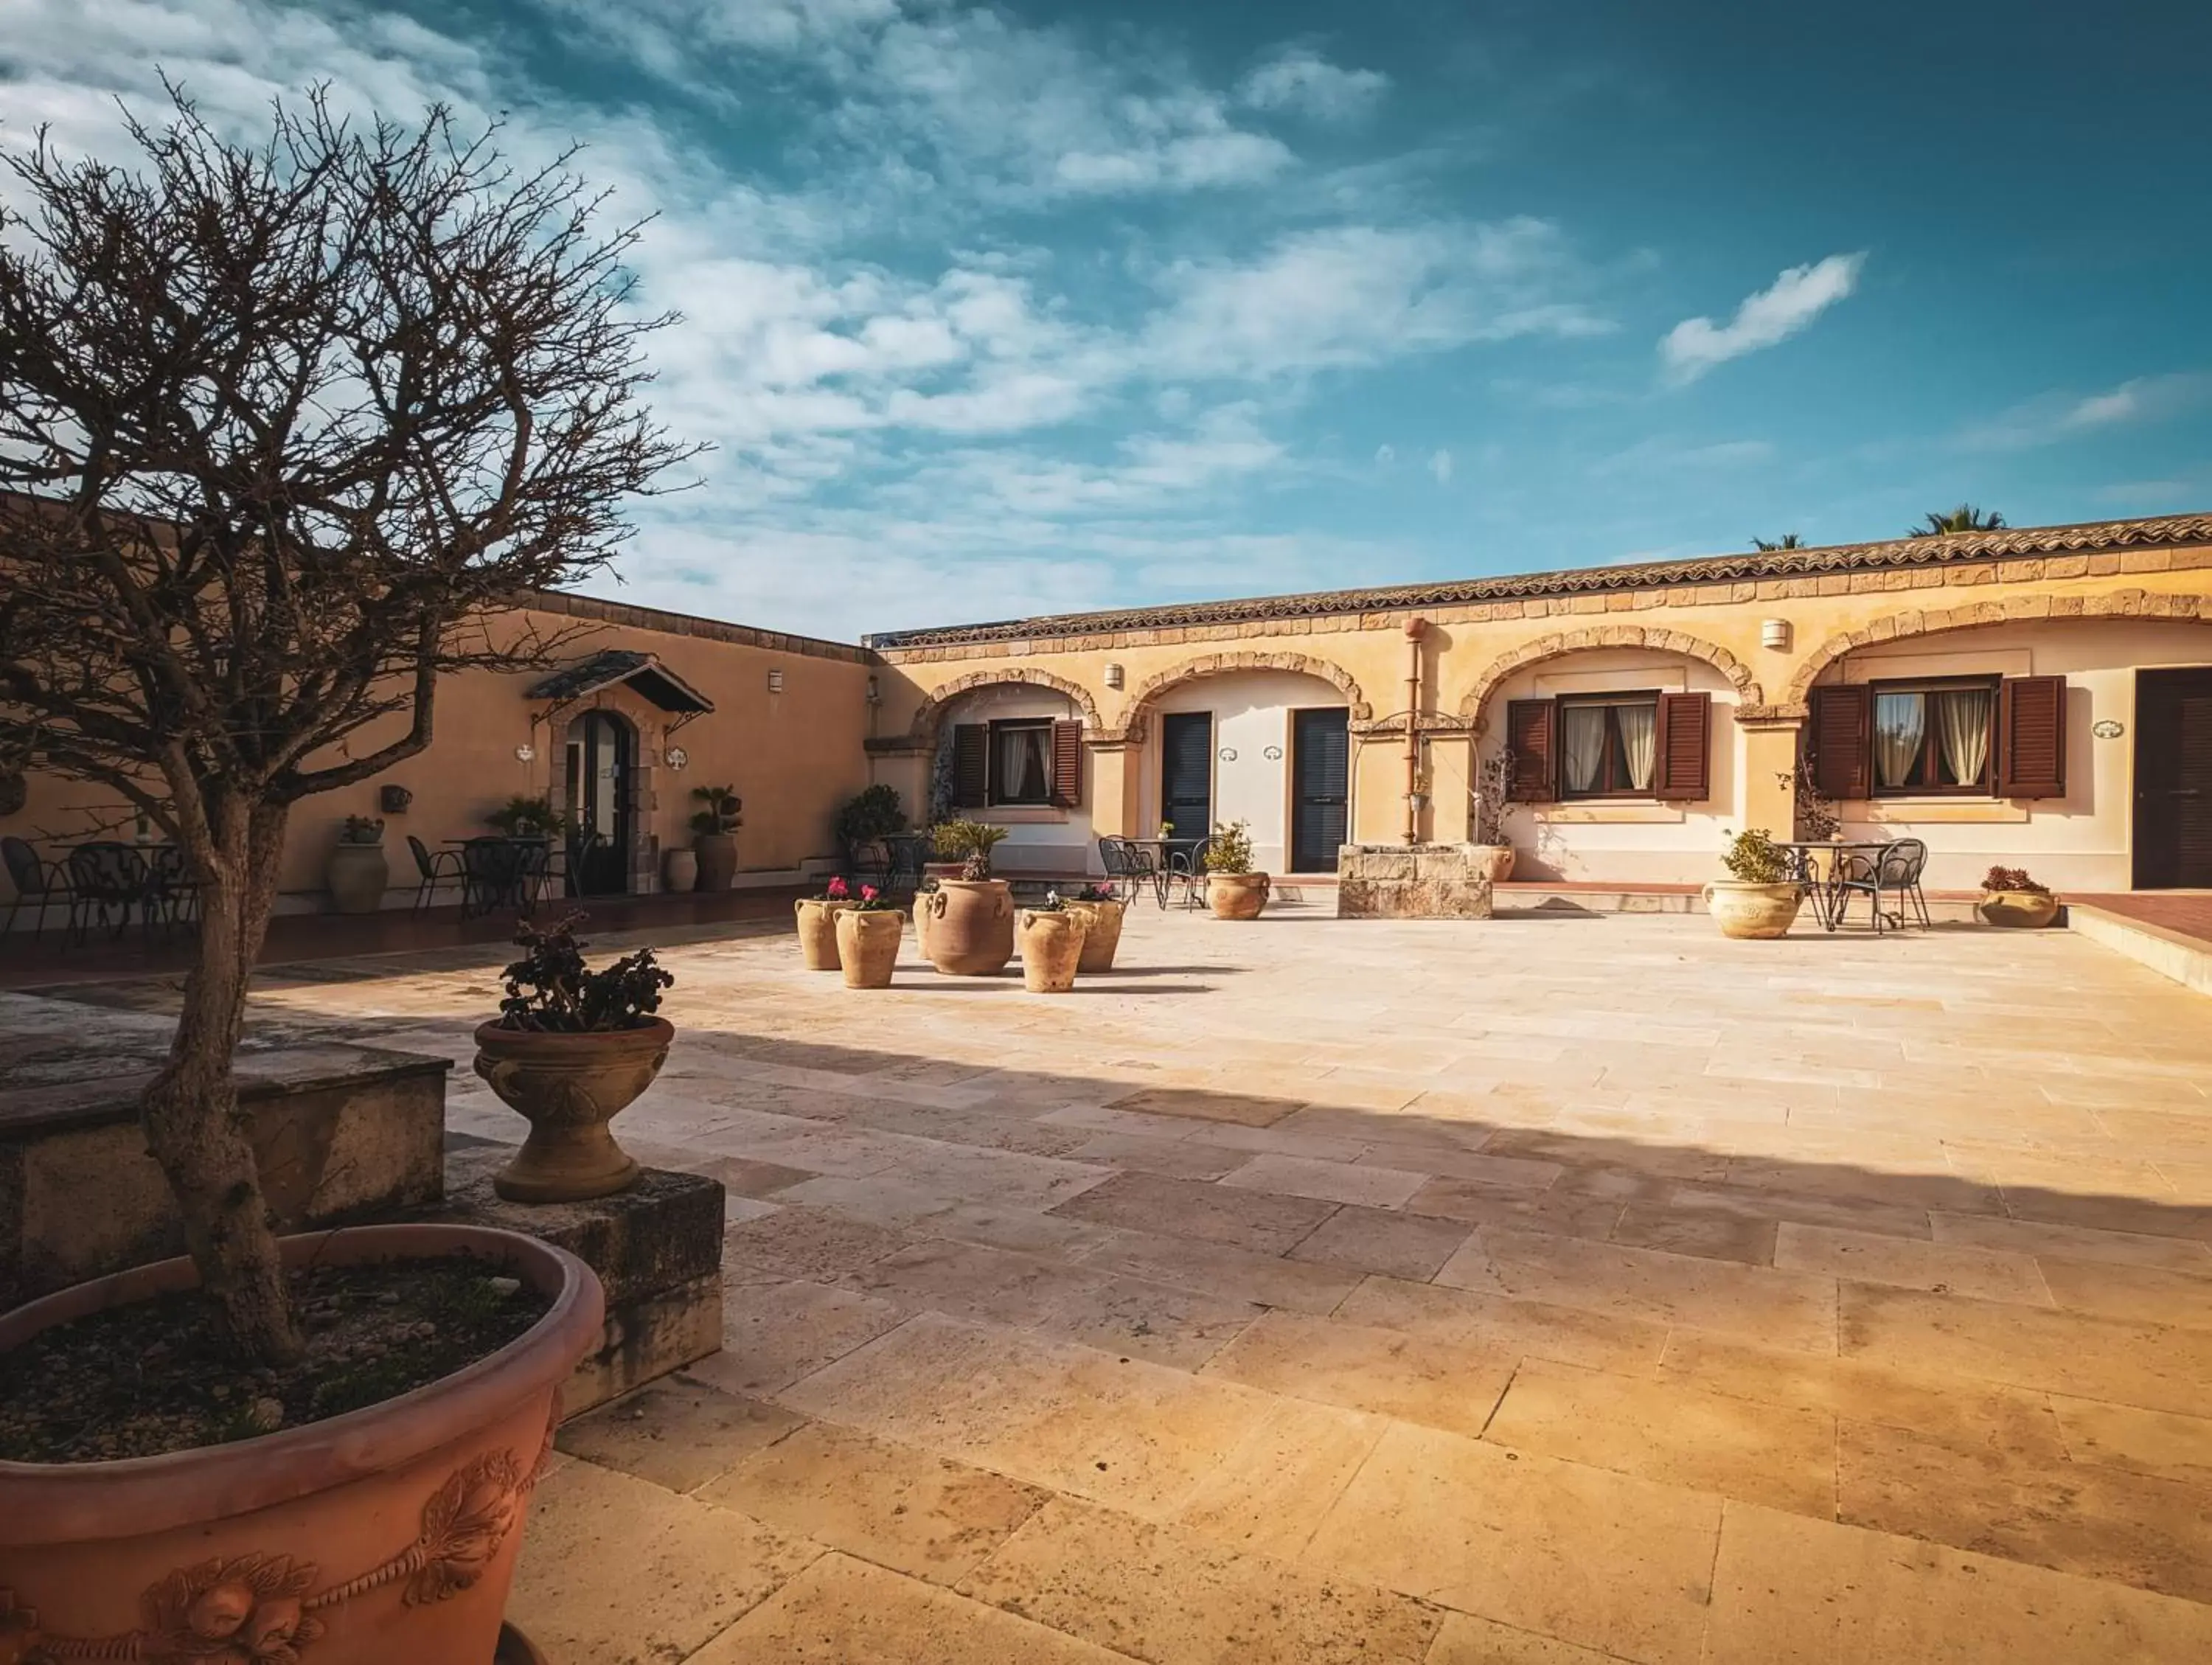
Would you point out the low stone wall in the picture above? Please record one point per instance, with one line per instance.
(1411, 881)
(341, 1135)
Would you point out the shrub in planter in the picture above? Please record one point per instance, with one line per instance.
(867, 819)
(1051, 939)
(571, 1048)
(956, 843)
(1103, 912)
(714, 835)
(358, 873)
(1233, 891)
(1760, 897)
(818, 926)
(2011, 897)
(522, 817)
(868, 933)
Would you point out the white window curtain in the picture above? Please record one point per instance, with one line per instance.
(1962, 727)
(1023, 768)
(1900, 724)
(1582, 735)
(1639, 737)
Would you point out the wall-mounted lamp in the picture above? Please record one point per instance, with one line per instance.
(1229, 754)
(875, 692)
(524, 752)
(1774, 633)
(1113, 676)
(775, 681)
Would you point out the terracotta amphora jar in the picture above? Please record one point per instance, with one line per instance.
(1750, 912)
(569, 1087)
(387, 1534)
(2029, 910)
(1237, 896)
(1494, 862)
(818, 931)
(1102, 933)
(1052, 948)
(971, 925)
(868, 944)
(679, 871)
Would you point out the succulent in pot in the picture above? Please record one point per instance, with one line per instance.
(817, 924)
(1233, 891)
(956, 843)
(714, 835)
(868, 933)
(358, 873)
(2010, 897)
(572, 1048)
(523, 817)
(1103, 914)
(1051, 938)
(1760, 897)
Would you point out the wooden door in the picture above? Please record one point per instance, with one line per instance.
(2173, 779)
(1321, 788)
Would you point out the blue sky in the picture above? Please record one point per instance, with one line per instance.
(993, 309)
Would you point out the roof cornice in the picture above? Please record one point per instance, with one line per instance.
(1936, 550)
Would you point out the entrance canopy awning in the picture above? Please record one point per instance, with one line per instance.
(643, 674)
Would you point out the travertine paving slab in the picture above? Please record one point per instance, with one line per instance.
(1271, 1489)
(1990, 1274)
(1536, 1328)
(1328, 1181)
(2075, 1242)
(2146, 1294)
(1262, 1220)
(2161, 1442)
(1711, 1234)
(1209, 1104)
(1222, 1269)
(675, 1432)
(776, 1330)
(1467, 1640)
(816, 1244)
(1383, 1239)
(1446, 1384)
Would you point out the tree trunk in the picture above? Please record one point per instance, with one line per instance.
(190, 1112)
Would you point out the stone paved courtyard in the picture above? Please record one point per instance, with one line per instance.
(1555, 1289)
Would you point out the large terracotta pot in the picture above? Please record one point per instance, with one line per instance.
(357, 875)
(971, 925)
(868, 944)
(569, 1087)
(1052, 947)
(1753, 911)
(1494, 862)
(1237, 896)
(818, 931)
(679, 871)
(386, 1534)
(717, 860)
(2024, 909)
(1101, 933)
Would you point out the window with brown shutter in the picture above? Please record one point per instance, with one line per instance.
(2032, 737)
(1841, 741)
(1067, 764)
(1684, 747)
(1531, 726)
(971, 766)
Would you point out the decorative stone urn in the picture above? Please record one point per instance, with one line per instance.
(357, 876)
(569, 1087)
(1102, 933)
(679, 871)
(868, 944)
(386, 1534)
(970, 932)
(818, 931)
(1237, 896)
(1492, 861)
(1052, 948)
(2026, 910)
(1753, 911)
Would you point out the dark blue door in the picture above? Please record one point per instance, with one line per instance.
(1321, 788)
(1187, 772)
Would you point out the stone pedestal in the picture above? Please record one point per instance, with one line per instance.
(1411, 881)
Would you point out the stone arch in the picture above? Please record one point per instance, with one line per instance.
(1210, 665)
(930, 711)
(2119, 604)
(1748, 693)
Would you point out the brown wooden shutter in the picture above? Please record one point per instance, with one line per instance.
(1067, 764)
(1684, 747)
(1531, 726)
(1842, 740)
(2032, 737)
(971, 766)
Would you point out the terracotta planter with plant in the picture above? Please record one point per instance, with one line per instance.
(818, 926)
(868, 934)
(970, 930)
(1102, 913)
(571, 1049)
(714, 835)
(1233, 891)
(358, 872)
(1494, 807)
(1051, 941)
(369, 1524)
(2011, 898)
(1760, 899)
(679, 871)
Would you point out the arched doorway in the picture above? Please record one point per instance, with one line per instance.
(602, 761)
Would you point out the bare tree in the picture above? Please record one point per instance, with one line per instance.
(284, 428)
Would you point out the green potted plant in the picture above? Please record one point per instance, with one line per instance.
(523, 816)
(571, 1048)
(1051, 938)
(1103, 912)
(1233, 891)
(868, 931)
(817, 924)
(714, 835)
(865, 821)
(1759, 898)
(954, 842)
(2011, 897)
(357, 872)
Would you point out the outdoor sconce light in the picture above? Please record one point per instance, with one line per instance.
(524, 752)
(875, 693)
(1113, 676)
(393, 799)
(775, 681)
(1774, 633)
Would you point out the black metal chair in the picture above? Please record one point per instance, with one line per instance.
(1895, 868)
(104, 875)
(40, 883)
(533, 873)
(1129, 868)
(906, 852)
(434, 868)
(492, 874)
(1187, 867)
(171, 890)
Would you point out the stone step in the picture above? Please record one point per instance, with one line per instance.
(2184, 958)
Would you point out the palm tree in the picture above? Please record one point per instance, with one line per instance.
(1964, 518)
(1789, 540)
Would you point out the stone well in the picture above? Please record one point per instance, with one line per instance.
(1411, 881)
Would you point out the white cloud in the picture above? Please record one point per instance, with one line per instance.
(1440, 465)
(1301, 80)
(1773, 314)
(2057, 415)
(1385, 455)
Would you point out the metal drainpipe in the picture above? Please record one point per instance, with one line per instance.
(1415, 628)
